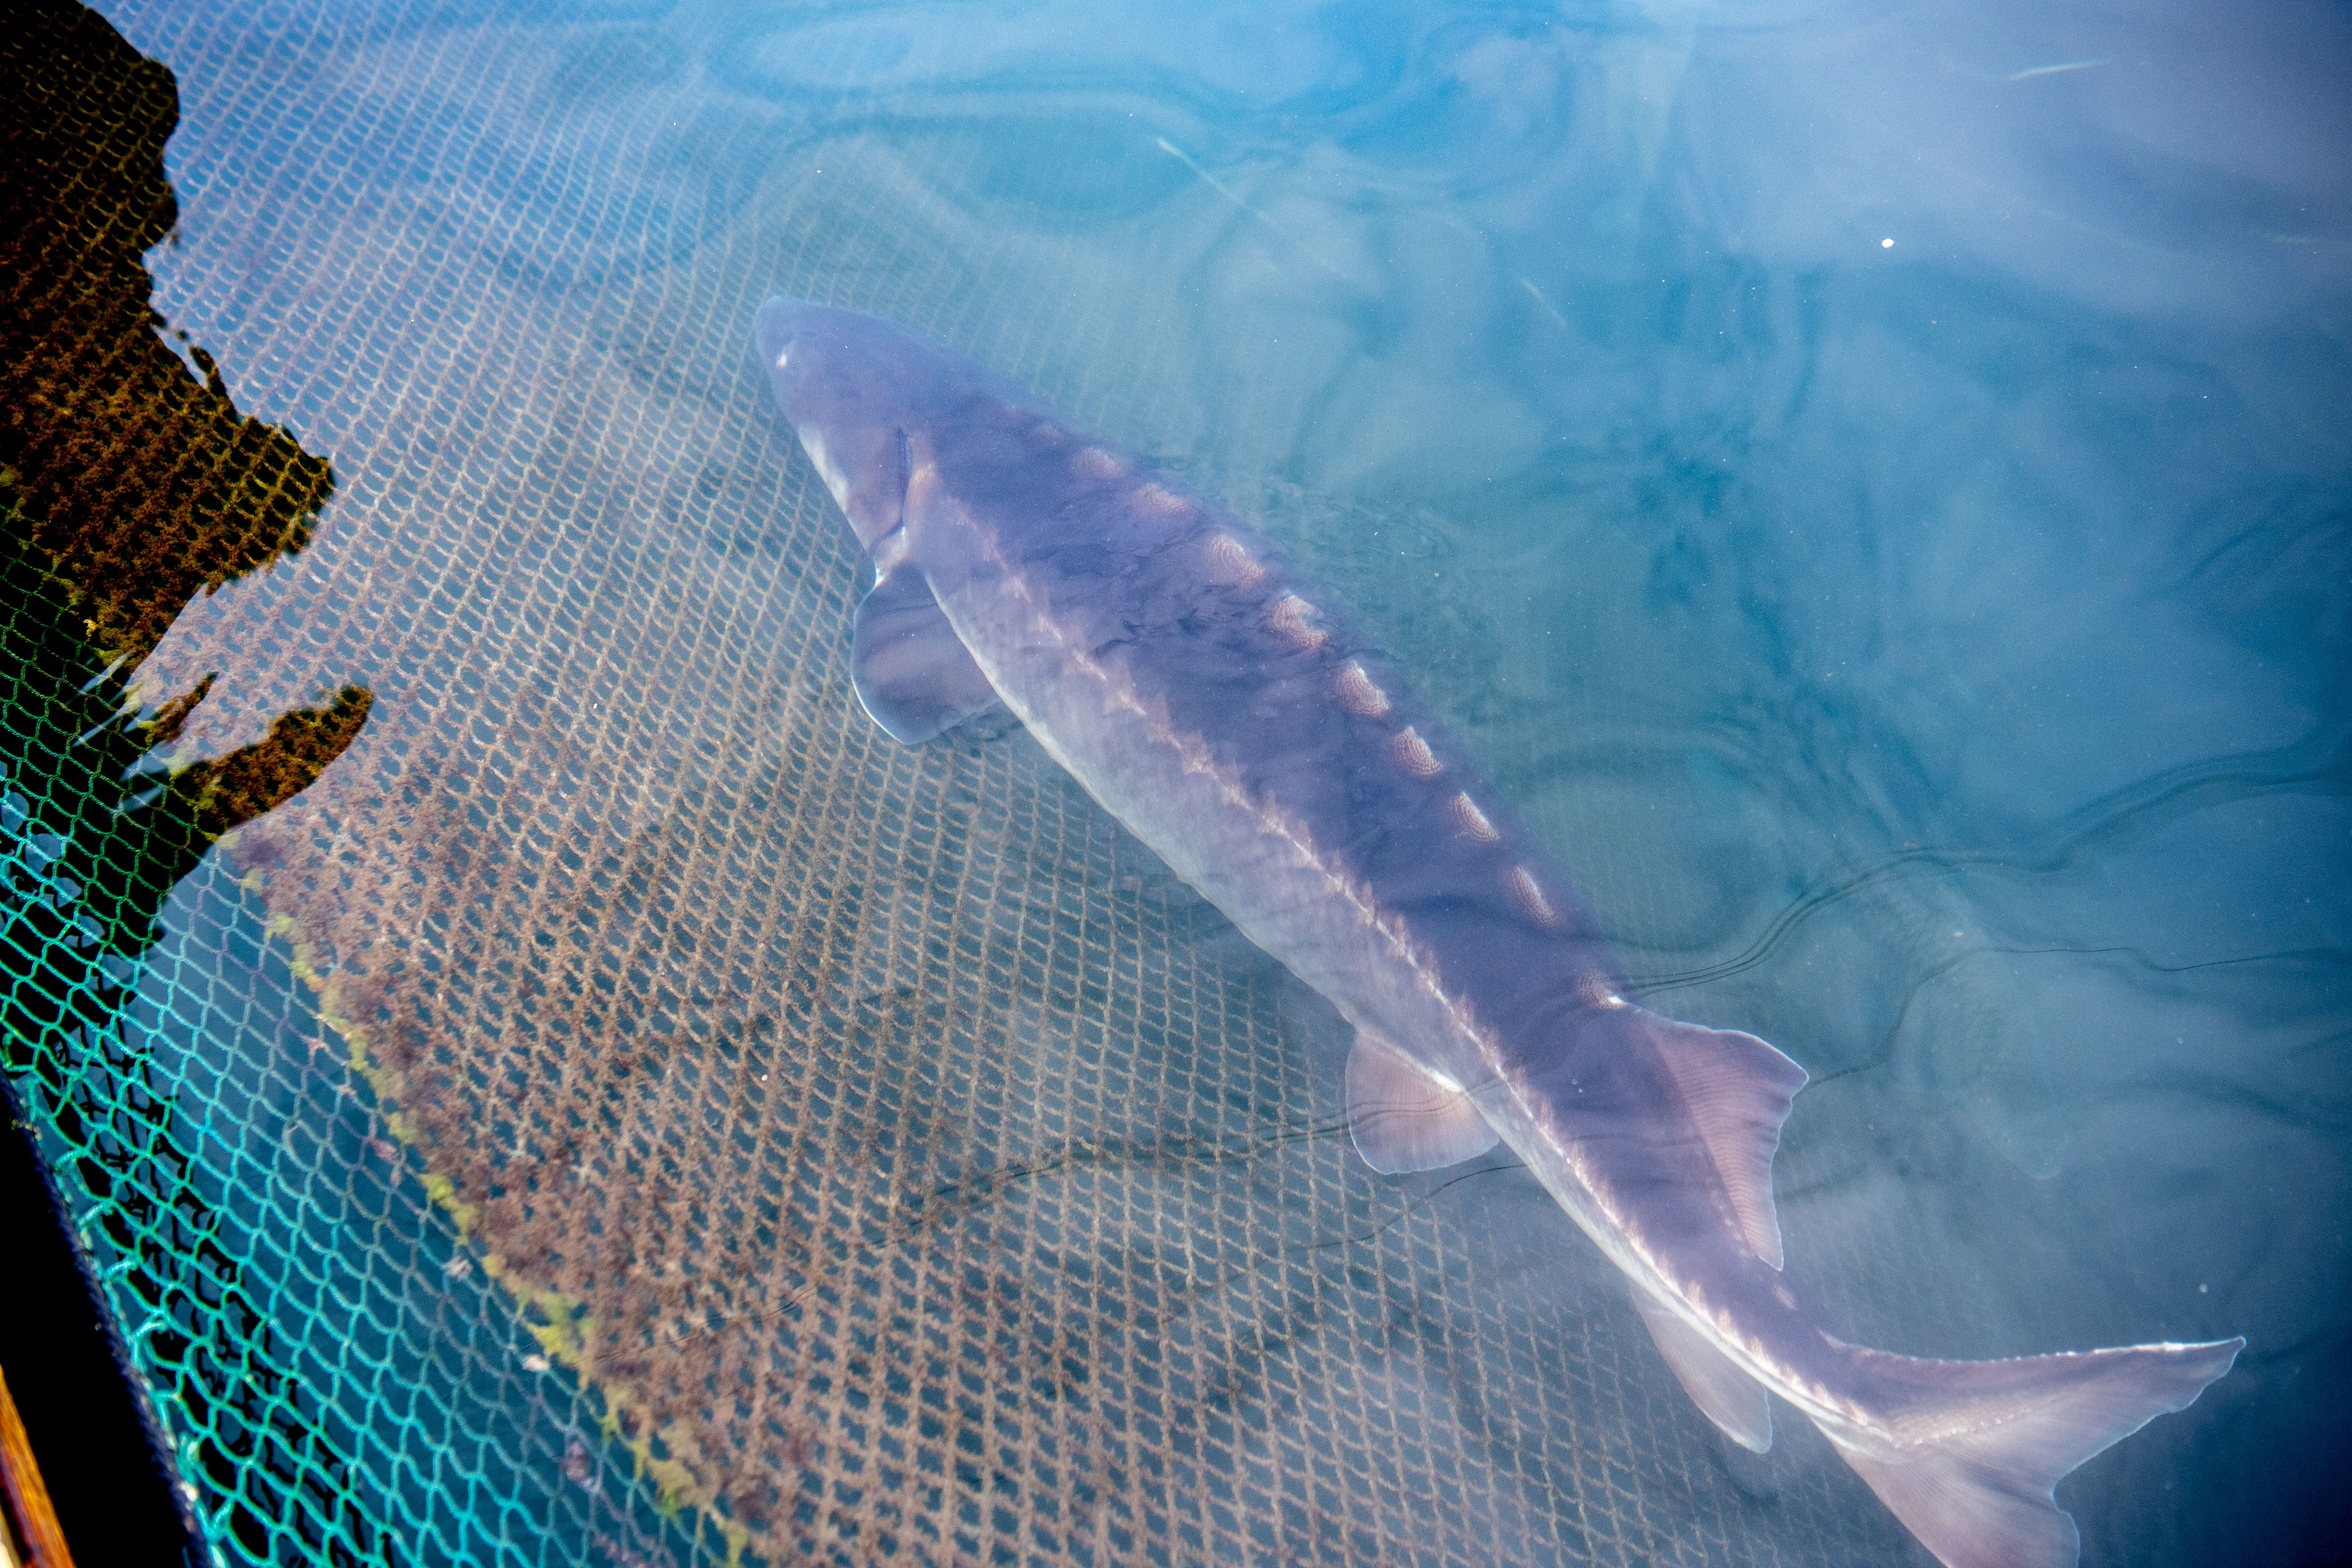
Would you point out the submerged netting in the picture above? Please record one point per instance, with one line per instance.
(626, 1109)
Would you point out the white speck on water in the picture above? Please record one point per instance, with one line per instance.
(1887, 244)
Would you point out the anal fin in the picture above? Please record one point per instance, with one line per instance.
(1734, 1401)
(1406, 1118)
(913, 673)
(1738, 1089)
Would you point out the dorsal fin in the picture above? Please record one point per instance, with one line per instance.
(1738, 1089)
(913, 673)
(1734, 1401)
(1406, 1118)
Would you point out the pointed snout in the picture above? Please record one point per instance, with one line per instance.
(774, 329)
(842, 381)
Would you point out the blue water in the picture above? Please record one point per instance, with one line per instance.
(1873, 485)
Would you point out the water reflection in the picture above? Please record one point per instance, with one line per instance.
(1927, 656)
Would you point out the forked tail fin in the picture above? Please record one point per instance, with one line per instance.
(1978, 1446)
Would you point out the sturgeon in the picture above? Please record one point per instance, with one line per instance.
(1197, 686)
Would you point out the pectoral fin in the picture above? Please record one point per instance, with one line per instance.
(1405, 1117)
(1730, 1398)
(912, 672)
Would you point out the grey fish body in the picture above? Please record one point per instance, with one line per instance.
(1190, 679)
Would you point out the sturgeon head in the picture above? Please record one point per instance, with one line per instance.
(861, 394)
(843, 382)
